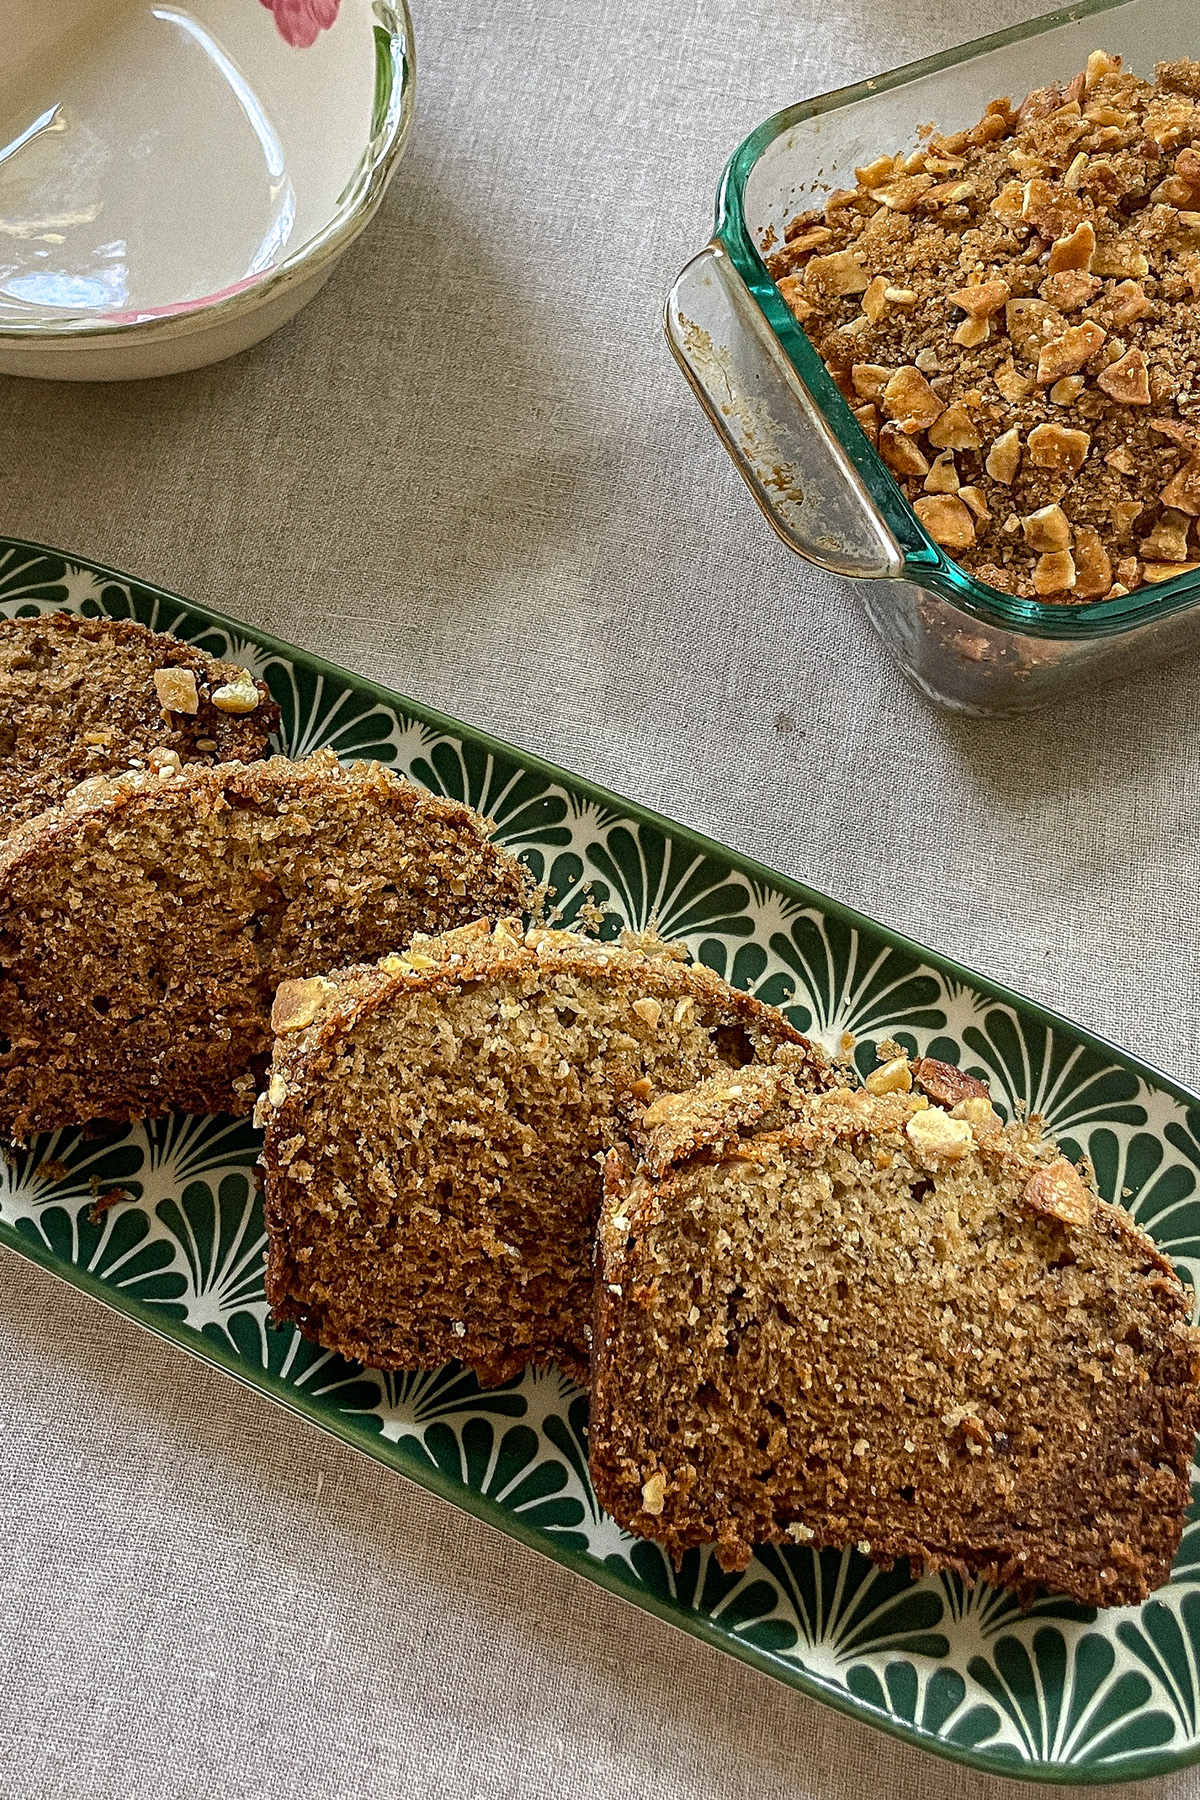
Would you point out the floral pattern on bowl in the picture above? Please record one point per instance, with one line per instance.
(301, 22)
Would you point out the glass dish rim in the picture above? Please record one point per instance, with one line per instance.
(1143, 1765)
(924, 562)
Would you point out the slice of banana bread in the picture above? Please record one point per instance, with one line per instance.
(146, 923)
(434, 1127)
(858, 1318)
(82, 697)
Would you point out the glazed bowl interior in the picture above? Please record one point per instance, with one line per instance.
(157, 156)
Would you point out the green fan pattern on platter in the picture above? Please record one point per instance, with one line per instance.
(165, 1223)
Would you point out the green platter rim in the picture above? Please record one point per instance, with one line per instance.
(1140, 1766)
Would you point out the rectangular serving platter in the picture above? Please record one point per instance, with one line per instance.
(1059, 1693)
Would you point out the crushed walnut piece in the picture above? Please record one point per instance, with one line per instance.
(1013, 311)
(177, 690)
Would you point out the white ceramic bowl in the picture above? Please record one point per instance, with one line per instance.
(176, 180)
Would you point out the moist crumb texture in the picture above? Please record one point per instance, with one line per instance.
(434, 1127)
(862, 1318)
(81, 697)
(146, 923)
(1012, 313)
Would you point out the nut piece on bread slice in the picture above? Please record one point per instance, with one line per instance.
(858, 1318)
(82, 697)
(146, 923)
(434, 1127)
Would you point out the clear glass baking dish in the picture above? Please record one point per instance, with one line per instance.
(791, 434)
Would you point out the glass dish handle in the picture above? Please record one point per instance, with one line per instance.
(772, 428)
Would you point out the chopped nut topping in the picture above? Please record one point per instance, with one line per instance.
(1004, 457)
(1168, 542)
(648, 1010)
(1093, 569)
(1125, 304)
(840, 273)
(792, 289)
(1013, 385)
(909, 399)
(1047, 529)
(1120, 258)
(973, 332)
(868, 419)
(1054, 573)
(177, 690)
(947, 521)
(1009, 203)
(948, 193)
(1068, 390)
(1182, 492)
(1180, 432)
(1068, 353)
(1075, 251)
(902, 195)
(892, 1077)
(979, 1113)
(1127, 379)
(874, 302)
(664, 1108)
(1016, 300)
(937, 1138)
(1030, 325)
(1099, 64)
(1070, 289)
(946, 1083)
(955, 430)
(654, 1493)
(1052, 210)
(1166, 571)
(943, 476)
(869, 380)
(982, 300)
(1073, 178)
(874, 174)
(797, 249)
(238, 696)
(881, 295)
(1057, 1190)
(1056, 447)
(297, 1003)
(901, 453)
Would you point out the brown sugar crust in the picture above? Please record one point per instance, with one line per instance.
(434, 1127)
(78, 698)
(146, 923)
(1012, 313)
(856, 1318)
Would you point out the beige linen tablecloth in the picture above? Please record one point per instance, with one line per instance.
(472, 471)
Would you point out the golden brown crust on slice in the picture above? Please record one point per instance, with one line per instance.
(433, 1128)
(81, 697)
(853, 1318)
(146, 923)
